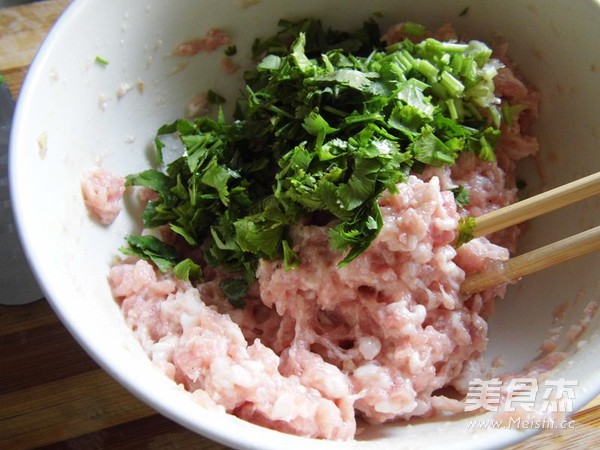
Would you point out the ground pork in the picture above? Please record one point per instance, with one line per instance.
(393, 320)
(378, 336)
(205, 350)
(102, 194)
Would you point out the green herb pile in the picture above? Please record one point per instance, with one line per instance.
(326, 123)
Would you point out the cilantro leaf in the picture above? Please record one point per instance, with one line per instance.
(430, 150)
(235, 290)
(153, 179)
(187, 270)
(461, 196)
(149, 247)
(217, 176)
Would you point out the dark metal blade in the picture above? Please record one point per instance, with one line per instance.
(17, 284)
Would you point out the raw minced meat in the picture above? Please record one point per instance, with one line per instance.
(392, 320)
(203, 349)
(318, 346)
(378, 336)
(102, 194)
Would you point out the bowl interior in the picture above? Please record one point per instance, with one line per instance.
(75, 114)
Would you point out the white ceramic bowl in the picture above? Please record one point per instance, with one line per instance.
(69, 119)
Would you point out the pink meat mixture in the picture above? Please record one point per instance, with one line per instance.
(102, 194)
(319, 343)
(318, 346)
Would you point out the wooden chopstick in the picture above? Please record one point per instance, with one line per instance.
(537, 205)
(533, 261)
(544, 257)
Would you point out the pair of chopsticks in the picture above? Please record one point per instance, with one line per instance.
(544, 257)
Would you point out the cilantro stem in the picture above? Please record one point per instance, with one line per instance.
(356, 118)
(426, 68)
(451, 84)
(414, 29)
(278, 110)
(336, 111)
(102, 61)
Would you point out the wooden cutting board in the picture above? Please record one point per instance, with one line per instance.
(22, 29)
(53, 396)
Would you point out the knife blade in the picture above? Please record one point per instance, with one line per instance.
(17, 283)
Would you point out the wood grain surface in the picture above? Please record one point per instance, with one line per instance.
(54, 396)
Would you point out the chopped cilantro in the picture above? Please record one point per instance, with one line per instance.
(235, 290)
(461, 196)
(102, 61)
(327, 122)
(466, 227)
(149, 247)
(231, 50)
(187, 270)
(414, 29)
(509, 112)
